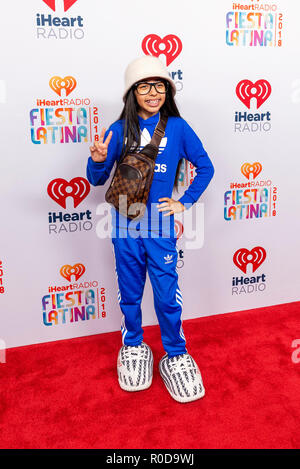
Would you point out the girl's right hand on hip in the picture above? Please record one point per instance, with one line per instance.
(99, 149)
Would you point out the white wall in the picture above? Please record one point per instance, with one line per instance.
(106, 37)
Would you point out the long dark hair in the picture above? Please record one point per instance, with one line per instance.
(131, 135)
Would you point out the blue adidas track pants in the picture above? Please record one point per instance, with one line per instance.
(133, 257)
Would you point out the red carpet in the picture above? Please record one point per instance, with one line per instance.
(65, 394)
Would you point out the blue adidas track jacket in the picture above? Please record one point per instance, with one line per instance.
(180, 141)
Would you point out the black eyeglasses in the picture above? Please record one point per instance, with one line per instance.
(144, 87)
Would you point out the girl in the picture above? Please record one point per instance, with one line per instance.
(150, 243)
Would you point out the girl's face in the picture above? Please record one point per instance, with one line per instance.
(150, 103)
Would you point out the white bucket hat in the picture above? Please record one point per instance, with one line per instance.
(146, 67)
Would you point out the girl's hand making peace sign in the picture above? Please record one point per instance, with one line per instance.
(99, 149)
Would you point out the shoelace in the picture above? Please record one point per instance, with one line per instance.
(131, 352)
(180, 363)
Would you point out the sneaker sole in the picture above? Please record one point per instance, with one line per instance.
(136, 388)
(184, 400)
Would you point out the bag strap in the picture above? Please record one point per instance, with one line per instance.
(151, 149)
(159, 131)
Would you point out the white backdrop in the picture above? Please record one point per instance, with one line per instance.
(92, 42)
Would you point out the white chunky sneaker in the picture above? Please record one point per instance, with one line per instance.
(182, 377)
(135, 367)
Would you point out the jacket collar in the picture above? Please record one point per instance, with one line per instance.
(150, 121)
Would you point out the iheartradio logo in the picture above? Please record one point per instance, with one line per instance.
(58, 84)
(59, 189)
(67, 271)
(59, 27)
(52, 4)
(254, 198)
(260, 90)
(243, 257)
(253, 169)
(170, 46)
(75, 302)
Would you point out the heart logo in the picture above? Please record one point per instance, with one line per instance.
(260, 90)
(68, 84)
(67, 4)
(254, 169)
(170, 46)
(59, 189)
(242, 257)
(67, 271)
